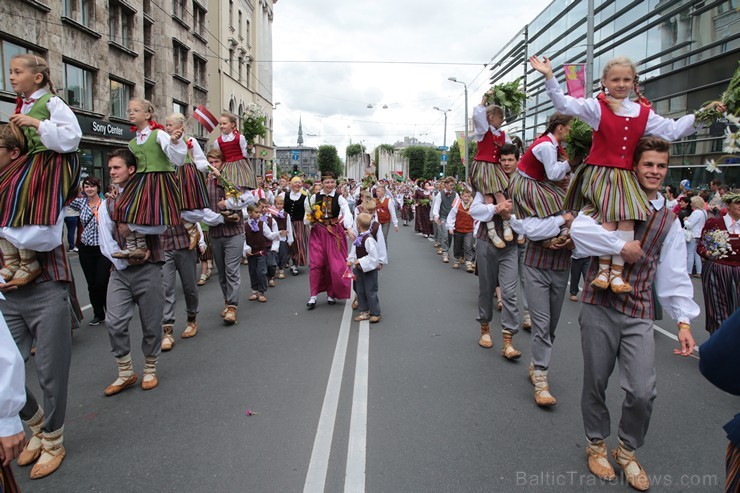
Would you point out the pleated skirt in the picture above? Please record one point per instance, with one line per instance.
(488, 177)
(299, 248)
(607, 194)
(532, 198)
(240, 174)
(721, 286)
(208, 253)
(150, 199)
(193, 186)
(35, 188)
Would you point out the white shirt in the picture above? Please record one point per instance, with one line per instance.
(589, 110)
(176, 153)
(452, 216)
(270, 234)
(695, 222)
(288, 229)
(12, 382)
(229, 138)
(481, 126)
(382, 249)
(538, 229)
(371, 260)
(547, 153)
(672, 283)
(733, 227)
(345, 212)
(108, 245)
(391, 208)
(671, 203)
(438, 203)
(61, 132)
(198, 157)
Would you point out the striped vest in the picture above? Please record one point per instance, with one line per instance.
(640, 302)
(227, 229)
(175, 238)
(545, 259)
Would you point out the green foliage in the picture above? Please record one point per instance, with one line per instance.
(432, 164)
(730, 98)
(416, 156)
(579, 141)
(454, 162)
(509, 96)
(355, 150)
(328, 159)
(388, 148)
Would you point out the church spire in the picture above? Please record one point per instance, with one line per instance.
(300, 131)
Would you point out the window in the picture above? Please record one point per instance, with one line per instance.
(7, 51)
(178, 9)
(199, 71)
(231, 14)
(120, 23)
(231, 63)
(246, 36)
(78, 87)
(199, 19)
(239, 31)
(120, 93)
(79, 10)
(148, 91)
(198, 129)
(246, 81)
(178, 107)
(147, 34)
(148, 67)
(180, 58)
(240, 62)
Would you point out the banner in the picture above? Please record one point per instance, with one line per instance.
(575, 79)
(460, 138)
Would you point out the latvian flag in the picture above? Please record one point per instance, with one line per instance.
(398, 175)
(205, 118)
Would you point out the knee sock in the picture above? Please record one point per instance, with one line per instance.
(618, 261)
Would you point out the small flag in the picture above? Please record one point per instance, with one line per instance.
(575, 79)
(398, 175)
(205, 118)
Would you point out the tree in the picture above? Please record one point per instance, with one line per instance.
(355, 150)
(454, 162)
(327, 159)
(432, 164)
(416, 156)
(387, 148)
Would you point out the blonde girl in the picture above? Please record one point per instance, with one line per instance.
(233, 145)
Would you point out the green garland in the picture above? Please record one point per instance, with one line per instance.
(509, 96)
(579, 141)
(730, 98)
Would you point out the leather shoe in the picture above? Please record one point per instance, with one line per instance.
(332, 302)
(311, 305)
(115, 389)
(374, 319)
(149, 384)
(42, 470)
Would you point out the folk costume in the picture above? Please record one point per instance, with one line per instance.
(486, 174)
(12, 397)
(192, 176)
(178, 259)
(295, 208)
(385, 211)
(365, 251)
(423, 224)
(283, 223)
(36, 187)
(237, 167)
(460, 222)
(440, 210)
(259, 238)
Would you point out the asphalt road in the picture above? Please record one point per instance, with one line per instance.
(411, 404)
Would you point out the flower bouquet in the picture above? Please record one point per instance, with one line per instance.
(730, 98)
(424, 201)
(509, 96)
(254, 123)
(716, 244)
(315, 214)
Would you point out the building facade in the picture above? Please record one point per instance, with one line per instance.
(297, 158)
(103, 53)
(240, 37)
(685, 52)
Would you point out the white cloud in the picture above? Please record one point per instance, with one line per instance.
(384, 30)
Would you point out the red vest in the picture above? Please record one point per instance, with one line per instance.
(232, 150)
(463, 221)
(489, 148)
(384, 215)
(615, 141)
(532, 166)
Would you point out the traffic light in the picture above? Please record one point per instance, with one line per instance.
(295, 170)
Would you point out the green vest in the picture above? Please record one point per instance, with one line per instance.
(40, 112)
(150, 157)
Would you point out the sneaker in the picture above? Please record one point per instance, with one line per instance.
(96, 321)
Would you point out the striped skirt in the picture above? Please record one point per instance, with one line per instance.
(208, 254)
(299, 248)
(423, 223)
(240, 174)
(488, 177)
(732, 468)
(193, 186)
(607, 194)
(720, 284)
(407, 212)
(150, 199)
(35, 188)
(532, 198)
(7, 480)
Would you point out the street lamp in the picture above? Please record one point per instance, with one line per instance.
(444, 137)
(454, 79)
(370, 106)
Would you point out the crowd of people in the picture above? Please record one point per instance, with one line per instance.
(525, 223)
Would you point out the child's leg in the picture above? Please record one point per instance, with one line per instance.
(12, 259)
(361, 289)
(253, 276)
(371, 292)
(508, 233)
(626, 230)
(605, 261)
(261, 274)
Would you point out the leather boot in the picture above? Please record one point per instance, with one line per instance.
(508, 233)
(12, 259)
(633, 471)
(509, 351)
(32, 450)
(29, 269)
(542, 395)
(52, 454)
(167, 339)
(598, 463)
(485, 336)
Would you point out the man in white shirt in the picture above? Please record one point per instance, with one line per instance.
(621, 326)
(12, 396)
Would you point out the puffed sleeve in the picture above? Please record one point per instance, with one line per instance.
(61, 132)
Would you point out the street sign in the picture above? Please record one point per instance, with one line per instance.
(443, 148)
(296, 156)
(444, 157)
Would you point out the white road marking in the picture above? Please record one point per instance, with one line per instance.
(354, 478)
(319, 463)
(86, 307)
(675, 338)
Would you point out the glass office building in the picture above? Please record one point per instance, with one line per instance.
(685, 52)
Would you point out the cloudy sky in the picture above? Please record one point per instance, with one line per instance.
(333, 98)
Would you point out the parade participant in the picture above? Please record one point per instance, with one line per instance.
(12, 399)
(192, 176)
(441, 210)
(620, 328)
(720, 277)
(178, 259)
(606, 188)
(364, 260)
(152, 196)
(407, 208)
(330, 217)
(95, 265)
(386, 211)
(295, 201)
(423, 198)
(272, 252)
(263, 191)
(133, 282)
(534, 190)
(285, 230)
(495, 265)
(486, 174)
(237, 168)
(36, 185)
(206, 254)
(227, 238)
(460, 226)
(259, 238)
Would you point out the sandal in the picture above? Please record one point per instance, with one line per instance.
(202, 280)
(601, 281)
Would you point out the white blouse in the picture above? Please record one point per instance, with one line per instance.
(61, 132)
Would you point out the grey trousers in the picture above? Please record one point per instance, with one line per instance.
(522, 250)
(502, 264)
(137, 285)
(464, 246)
(227, 255)
(181, 262)
(258, 273)
(443, 236)
(42, 312)
(607, 336)
(386, 228)
(546, 289)
(366, 286)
